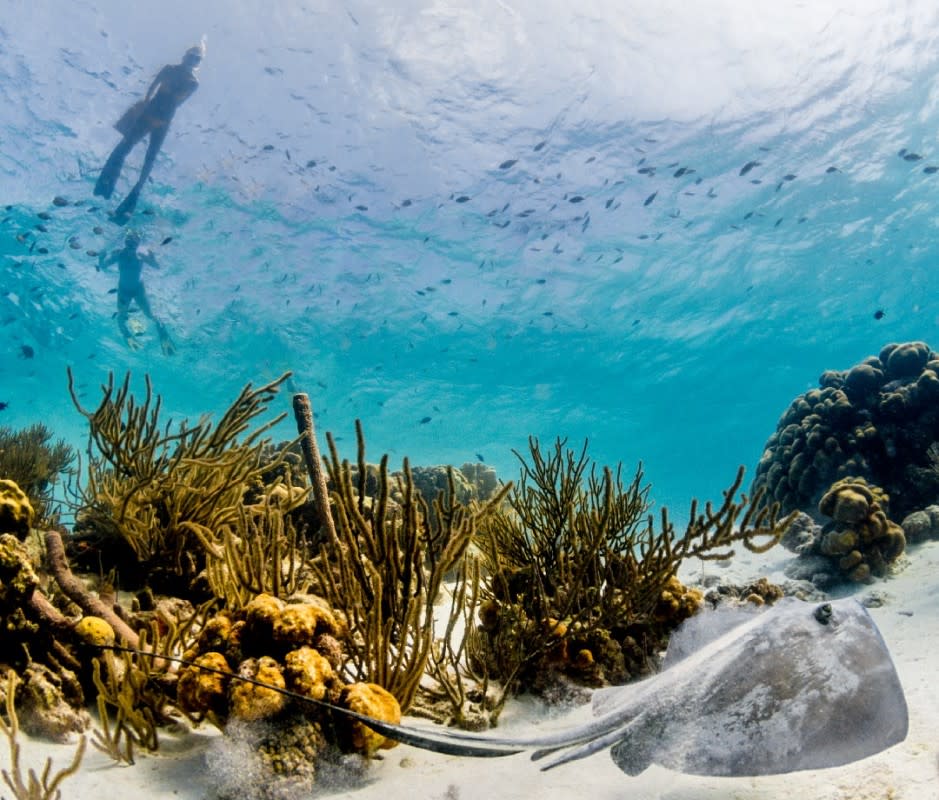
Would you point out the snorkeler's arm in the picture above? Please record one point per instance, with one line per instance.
(148, 257)
(105, 260)
(160, 77)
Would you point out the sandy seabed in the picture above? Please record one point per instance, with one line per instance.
(188, 765)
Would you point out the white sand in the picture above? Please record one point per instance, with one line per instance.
(909, 622)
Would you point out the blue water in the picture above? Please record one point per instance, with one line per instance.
(337, 199)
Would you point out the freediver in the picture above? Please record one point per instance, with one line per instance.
(172, 86)
(130, 288)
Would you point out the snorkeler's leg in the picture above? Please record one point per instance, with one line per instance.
(123, 309)
(157, 136)
(112, 167)
(166, 343)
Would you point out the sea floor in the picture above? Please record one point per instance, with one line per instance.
(191, 765)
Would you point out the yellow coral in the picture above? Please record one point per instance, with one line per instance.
(16, 512)
(308, 672)
(296, 625)
(248, 701)
(861, 536)
(261, 614)
(198, 691)
(373, 701)
(95, 631)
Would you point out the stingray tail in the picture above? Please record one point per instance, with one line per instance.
(449, 742)
(584, 749)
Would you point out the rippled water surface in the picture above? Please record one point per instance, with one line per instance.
(642, 223)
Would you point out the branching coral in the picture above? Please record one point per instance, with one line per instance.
(31, 786)
(578, 580)
(169, 496)
(384, 566)
(30, 459)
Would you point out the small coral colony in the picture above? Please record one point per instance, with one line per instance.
(215, 576)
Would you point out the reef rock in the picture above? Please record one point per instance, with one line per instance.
(921, 525)
(878, 420)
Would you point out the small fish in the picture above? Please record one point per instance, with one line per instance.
(60, 201)
(166, 241)
(930, 170)
(44, 215)
(879, 314)
(683, 171)
(647, 171)
(832, 169)
(425, 420)
(508, 164)
(748, 166)
(479, 456)
(539, 146)
(4, 406)
(463, 198)
(575, 199)
(789, 177)
(112, 291)
(650, 198)
(26, 351)
(609, 202)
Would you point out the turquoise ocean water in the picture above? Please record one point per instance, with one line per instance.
(647, 224)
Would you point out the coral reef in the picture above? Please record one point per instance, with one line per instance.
(297, 646)
(44, 786)
(578, 583)
(878, 420)
(30, 459)
(158, 504)
(858, 544)
(16, 512)
(385, 565)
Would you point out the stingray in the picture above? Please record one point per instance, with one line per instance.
(797, 686)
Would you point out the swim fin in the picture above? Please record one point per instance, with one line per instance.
(106, 180)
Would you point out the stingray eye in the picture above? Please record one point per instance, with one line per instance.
(823, 613)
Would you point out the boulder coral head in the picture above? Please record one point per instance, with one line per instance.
(878, 420)
(860, 538)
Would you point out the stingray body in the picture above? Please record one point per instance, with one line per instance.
(798, 686)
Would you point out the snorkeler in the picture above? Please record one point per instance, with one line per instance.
(130, 288)
(152, 115)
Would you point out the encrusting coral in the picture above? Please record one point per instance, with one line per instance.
(16, 512)
(295, 645)
(876, 420)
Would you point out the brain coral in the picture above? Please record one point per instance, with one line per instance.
(877, 420)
